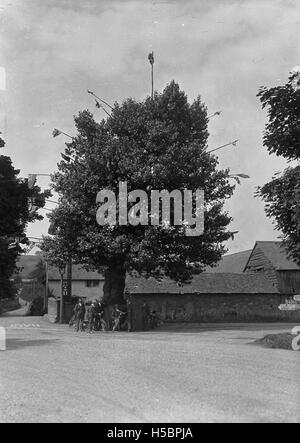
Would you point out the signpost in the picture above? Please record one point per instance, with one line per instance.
(63, 293)
(291, 305)
(65, 288)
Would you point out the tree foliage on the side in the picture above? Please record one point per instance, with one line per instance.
(153, 145)
(15, 214)
(282, 137)
(2, 142)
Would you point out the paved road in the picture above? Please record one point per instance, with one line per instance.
(205, 374)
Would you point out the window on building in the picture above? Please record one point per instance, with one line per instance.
(92, 283)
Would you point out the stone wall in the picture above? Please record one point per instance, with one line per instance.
(53, 310)
(53, 314)
(214, 308)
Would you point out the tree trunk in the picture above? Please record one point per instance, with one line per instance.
(113, 289)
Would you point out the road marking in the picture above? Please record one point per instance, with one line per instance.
(32, 327)
(23, 326)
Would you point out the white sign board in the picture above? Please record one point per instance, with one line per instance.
(297, 298)
(289, 307)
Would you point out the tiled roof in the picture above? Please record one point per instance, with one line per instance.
(276, 254)
(205, 283)
(78, 273)
(28, 264)
(232, 263)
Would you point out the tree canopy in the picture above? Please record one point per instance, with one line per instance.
(282, 137)
(152, 145)
(15, 214)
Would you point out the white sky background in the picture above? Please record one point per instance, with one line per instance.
(224, 50)
(2, 78)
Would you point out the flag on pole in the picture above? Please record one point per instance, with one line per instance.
(32, 207)
(67, 158)
(14, 245)
(31, 180)
(151, 58)
(56, 133)
(295, 78)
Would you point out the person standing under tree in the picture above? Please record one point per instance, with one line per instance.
(79, 312)
(145, 316)
(118, 317)
(130, 319)
(103, 324)
(92, 316)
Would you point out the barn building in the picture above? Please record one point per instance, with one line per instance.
(270, 258)
(247, 286)
(210, 298)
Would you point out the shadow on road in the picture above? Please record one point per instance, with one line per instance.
(218, 327)
(21, 312)
(17, 343)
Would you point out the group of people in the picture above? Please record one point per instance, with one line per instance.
(95, 317)
(92, 317)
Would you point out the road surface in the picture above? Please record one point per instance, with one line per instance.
(211, 373)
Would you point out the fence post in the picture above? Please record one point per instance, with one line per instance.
(2, 339)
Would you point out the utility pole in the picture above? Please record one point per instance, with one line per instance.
(69, 278)
(61, 311)
(62, 296)
(151, 60)
(46, 289)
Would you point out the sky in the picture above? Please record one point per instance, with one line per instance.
(53, 51)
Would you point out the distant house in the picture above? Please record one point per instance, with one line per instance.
(85, 284)
(270, 258)
(31, 279)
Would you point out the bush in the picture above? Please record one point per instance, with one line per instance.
(36, 307)
(277, 341)
(8, 304)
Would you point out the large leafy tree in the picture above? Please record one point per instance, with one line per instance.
(282, 137)
(155, 144)
(16, 211)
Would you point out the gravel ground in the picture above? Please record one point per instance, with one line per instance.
(208, 373)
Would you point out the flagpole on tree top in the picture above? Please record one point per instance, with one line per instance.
(151, 60)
